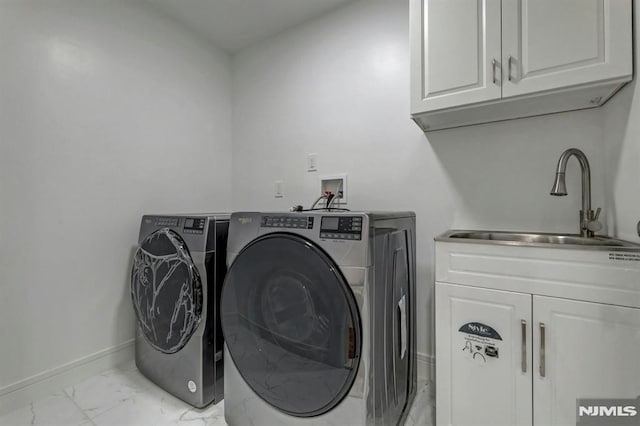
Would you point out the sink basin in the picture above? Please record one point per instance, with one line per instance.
(535, 239)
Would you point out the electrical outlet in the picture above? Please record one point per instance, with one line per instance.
(312, 162)
(279, 189)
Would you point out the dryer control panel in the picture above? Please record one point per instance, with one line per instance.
(194, 225)
(341, 227)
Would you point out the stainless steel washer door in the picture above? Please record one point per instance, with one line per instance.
(166, 291)
(291, 324)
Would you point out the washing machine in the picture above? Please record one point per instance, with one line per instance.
(318, 312)
(176, 280)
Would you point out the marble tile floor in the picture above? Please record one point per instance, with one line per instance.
(123, 397)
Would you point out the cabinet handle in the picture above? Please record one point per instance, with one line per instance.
(543, 369)
(493, 64)
(523, 324)
(509, 59)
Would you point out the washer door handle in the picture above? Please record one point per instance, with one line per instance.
(402, 313)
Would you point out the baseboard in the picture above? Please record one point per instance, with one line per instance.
(35, 387)
(426, 366)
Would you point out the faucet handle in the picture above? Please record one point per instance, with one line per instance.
(593, 224)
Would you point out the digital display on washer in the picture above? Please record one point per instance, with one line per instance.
(341, 227)
(330, 223)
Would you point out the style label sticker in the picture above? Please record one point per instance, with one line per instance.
(480, 342)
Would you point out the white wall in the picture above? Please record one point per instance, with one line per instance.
(338, 86)
(622, 152)
(107, 111)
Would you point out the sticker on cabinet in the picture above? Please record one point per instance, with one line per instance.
(481, 342)
(616, 255)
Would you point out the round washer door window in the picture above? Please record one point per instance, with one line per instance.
(166, 291)
(291, 324)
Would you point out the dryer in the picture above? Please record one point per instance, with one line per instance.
(318, 312)
(176, 280)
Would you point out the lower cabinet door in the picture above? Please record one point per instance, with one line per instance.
(483, 357)
(583, 350)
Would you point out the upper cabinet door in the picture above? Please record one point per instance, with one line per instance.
(456, 53)
(550, 44)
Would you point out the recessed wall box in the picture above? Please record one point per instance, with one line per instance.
(336, 184)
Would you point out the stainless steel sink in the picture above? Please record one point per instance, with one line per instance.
(535, 239)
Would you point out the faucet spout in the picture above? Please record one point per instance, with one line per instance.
(559, 185)
(588, 219)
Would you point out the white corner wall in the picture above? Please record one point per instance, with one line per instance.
(338, 86)
(622, 152)
(107, 111)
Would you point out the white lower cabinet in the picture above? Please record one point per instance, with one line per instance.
(479, 377)
(591, 350)
(512, 358)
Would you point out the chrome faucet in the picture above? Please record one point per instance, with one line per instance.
(588, 219)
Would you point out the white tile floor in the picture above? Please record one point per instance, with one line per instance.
(122, 397)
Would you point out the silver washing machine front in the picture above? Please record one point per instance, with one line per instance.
(176, 280)
(319, 318)
(292, 324)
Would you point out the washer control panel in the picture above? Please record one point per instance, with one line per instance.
(166, 221)
(341, 227)
(194, 225)
(302, 222)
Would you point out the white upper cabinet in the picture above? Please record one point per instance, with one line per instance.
(475, 61)
(461, 50)
(551, 44)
